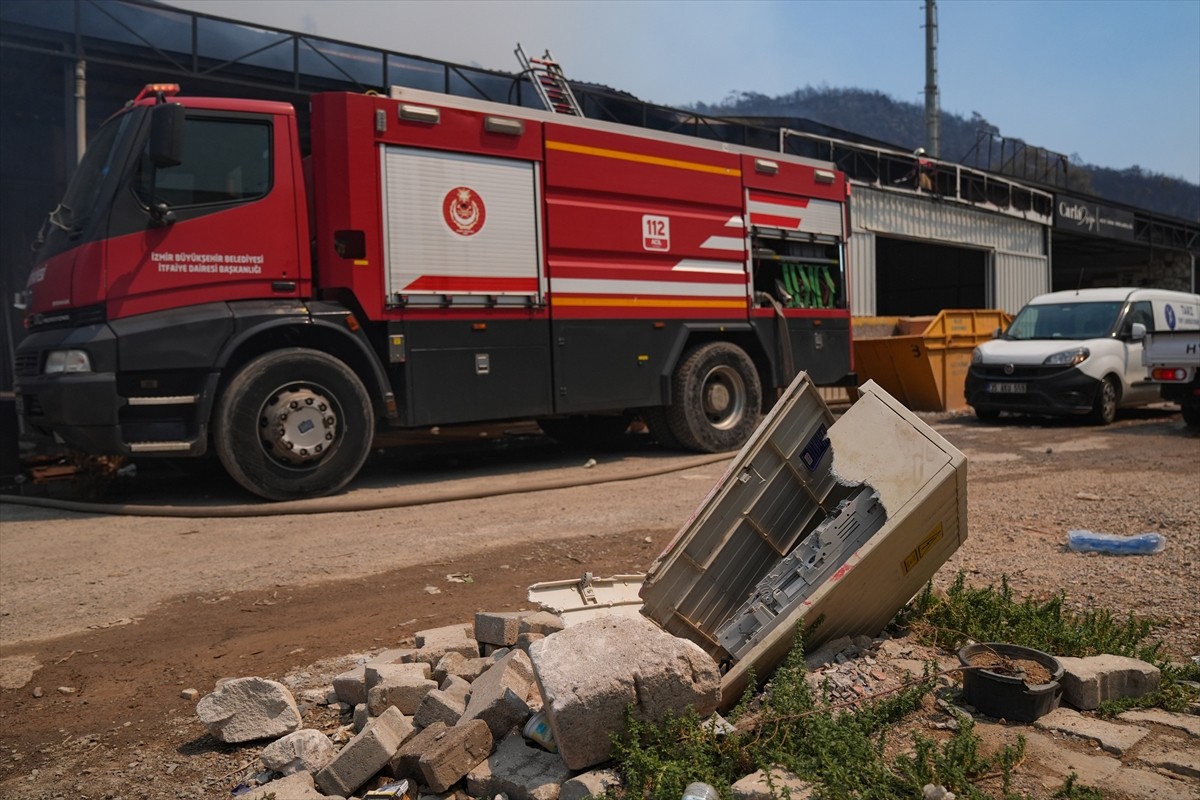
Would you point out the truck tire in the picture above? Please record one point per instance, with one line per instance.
(1104, 407)
(293, 423)
(717, 399)
(987, 414)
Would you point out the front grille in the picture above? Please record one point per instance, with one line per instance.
(76, 317)
(1020, 371)
(27, 365)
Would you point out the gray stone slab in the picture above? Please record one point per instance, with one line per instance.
(404, 691)
(1189, 723)
(350, 687)
(440, 706)
(1173, 755)
(406, 762)
(497, 627)
(1102, 770)
(297, 786)
(498, 695)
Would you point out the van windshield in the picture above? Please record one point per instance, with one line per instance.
(1065, 321)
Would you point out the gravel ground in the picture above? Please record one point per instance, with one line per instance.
(128, 611)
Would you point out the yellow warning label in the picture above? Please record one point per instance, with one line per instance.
(924, 547)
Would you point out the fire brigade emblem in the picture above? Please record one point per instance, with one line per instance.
(463, 211)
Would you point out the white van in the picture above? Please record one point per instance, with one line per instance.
(1076, 353)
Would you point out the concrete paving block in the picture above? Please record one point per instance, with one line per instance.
(1188, 723)
(1088, 682)
(590, 784)
(591, 672)
(1176, 756)
(365, 754)
(296, 786)
(778, 783)
(453, 753)
(246, 709)
(519, 771)
(439, 705)
(350, 687)
(524, 640)
(406, 761)
(1103, 770)
(404, 691)
(497, 627)
(498, 695)
(361, 717)
(541, 622)
(456, 687)
(1115, 738)
(305, 750)
(449, 664)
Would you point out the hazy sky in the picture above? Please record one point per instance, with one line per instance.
(1116, 82)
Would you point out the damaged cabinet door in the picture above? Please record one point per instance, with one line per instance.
(837, 524)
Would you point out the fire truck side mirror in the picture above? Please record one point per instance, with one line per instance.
(166, 134)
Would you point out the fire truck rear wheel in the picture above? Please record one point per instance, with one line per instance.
(717, 398)
(293, 423)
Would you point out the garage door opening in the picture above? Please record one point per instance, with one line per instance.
(919, 278)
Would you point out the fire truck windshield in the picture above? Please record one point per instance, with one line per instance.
(83, 191)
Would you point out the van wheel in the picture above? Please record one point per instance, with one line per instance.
(1191, 415)
(987, 414)
(717, 398)
(293, 423)
(1104, 409)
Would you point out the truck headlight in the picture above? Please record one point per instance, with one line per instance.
(59, 361)
(1068, 358)
(976, 356)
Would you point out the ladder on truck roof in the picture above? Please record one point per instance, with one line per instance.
(550, 83)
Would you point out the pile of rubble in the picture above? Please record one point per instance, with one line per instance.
(498, 707)
(520, 705)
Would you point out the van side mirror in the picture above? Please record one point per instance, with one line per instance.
(166, 135)
(1137, 331)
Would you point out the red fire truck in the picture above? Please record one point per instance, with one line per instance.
(433, 260)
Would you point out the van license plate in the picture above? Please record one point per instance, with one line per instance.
(1006, 388)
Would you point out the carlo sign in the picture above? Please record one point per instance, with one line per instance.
(1083, 217)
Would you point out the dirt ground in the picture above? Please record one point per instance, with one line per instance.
(105, 619)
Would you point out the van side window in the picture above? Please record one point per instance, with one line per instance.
(1142, 312)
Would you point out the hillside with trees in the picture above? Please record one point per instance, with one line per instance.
(973, 142)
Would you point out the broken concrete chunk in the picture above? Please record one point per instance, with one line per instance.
(405, 691)
(365, 754)
(778, 783)
(589, 673)
(361, 717)
(1088, 682)
(405, 763)
(297, 786)
(526, 639)
(498, 695)
(590, 784)
(1112, 737)
(435, 643)
(497, 627)
(395, 655)
(246, 709)
(519, 771)
(456, 687)
(453, 753)
(374, 674)
(439, 706)
(350, 687)
(540, 622)
(305, 750)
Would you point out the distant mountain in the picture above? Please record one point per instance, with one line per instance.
(972, 142)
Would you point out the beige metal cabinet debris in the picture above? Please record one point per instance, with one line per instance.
(815, 521)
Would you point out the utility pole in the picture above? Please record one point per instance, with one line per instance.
(932, 113)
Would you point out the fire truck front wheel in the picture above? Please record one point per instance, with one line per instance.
(293, 423)
(717, 399)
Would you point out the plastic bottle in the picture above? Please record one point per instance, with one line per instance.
(700, 791)
(1138, 544)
